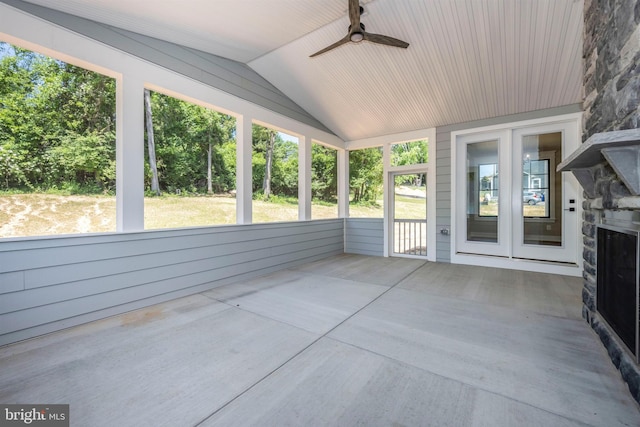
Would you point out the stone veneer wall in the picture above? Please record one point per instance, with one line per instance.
(612, 99)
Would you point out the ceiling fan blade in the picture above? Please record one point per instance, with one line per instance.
(354, 13)
(333, 46)
(389, 41)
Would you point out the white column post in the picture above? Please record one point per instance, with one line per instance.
(304, 178)
(129, 153)
(343, 183)
(244, 151)
(387, 188)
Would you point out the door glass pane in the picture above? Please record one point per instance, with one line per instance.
(410, 214)
(483, 191)
(542, 189)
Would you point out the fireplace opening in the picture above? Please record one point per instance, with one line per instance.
(617, 282)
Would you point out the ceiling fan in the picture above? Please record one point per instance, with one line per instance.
(356, 32)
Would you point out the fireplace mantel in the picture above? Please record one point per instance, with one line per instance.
(621, 149)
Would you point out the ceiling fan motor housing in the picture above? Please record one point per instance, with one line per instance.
(357, 36)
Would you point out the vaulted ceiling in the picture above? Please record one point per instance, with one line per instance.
(467, 59)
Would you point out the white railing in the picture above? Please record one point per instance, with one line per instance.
(410, 237)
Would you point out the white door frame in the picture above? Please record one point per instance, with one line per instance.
(390, 201)
(386, 141)
(458, 256)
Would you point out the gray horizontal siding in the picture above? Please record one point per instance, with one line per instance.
(49, 284)
(443, 168)
(229, 76)
(443, 193)
(364, 236)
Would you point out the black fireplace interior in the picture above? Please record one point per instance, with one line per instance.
(617, 283)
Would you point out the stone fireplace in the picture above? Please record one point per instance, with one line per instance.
(610, 178)
(607, 166)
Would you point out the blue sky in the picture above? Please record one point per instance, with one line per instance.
(287, 137)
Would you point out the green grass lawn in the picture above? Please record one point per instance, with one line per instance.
(36, 214)
(48, 214)
(410, 207)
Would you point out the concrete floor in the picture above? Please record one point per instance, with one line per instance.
(349, 340)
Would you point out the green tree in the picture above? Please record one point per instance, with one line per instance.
(195, 147)
(206, 128)
(264, 142)
(285, 169)
(151, 144)
(410, 153)
(365, 174)
(15, 87)
(86, 159)
(324, 168)
(25, 121)
(274, 163)
(44, 105)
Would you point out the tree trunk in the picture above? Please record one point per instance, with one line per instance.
(268, 154)
(209, 177)
(151, 146)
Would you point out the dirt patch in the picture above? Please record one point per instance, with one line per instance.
(142, 317)
(36, 214)
(18, 213)
(411, 192)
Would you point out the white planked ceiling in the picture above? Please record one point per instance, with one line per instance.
(467, 59)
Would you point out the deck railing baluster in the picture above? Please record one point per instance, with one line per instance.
(410, 237)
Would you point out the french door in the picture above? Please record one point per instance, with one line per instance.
(510, 201)
(483, 219)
